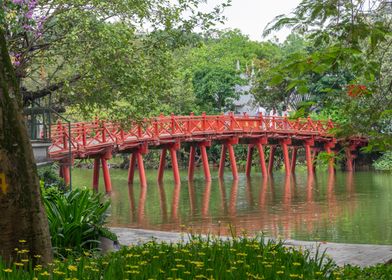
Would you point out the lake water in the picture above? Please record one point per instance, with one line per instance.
(345, 207)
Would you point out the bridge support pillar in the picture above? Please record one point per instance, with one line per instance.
(271, 159)
(64, 171)
(228, 145)
(263, 166)
(308, 155)
(204, 157)
(131, 169)
(222, 161)
(191, 165)
(293, 159)
(331, 161)
(249, 160)
(137, 156)
(106, 175)
(350, 157)
(315, 155)
(258, 143)
(286, 157)
(162, 162)
(96, 174)
(173, 154)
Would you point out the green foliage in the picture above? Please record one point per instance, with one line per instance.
(348, 45)
(210, 72)
(97, 54)
(50, 179)
(76, 219)
(200, 258)
(384, 163)
(380, 272)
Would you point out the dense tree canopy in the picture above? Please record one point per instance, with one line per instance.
(348, 62)
(98, 53)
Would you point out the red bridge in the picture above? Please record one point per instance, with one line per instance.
(100, 140)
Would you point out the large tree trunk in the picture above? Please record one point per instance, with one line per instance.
(22, 215)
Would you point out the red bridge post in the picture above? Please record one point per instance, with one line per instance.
(309, 143)
(260, 149)
(137, 155)
(328, 148)
(271, 159)
(284, 143)
(131, 168)
(204, 157)
(293, 159)
(162, 162)
(191, 165)
(350, 164)
(258, 143)
(173, 154)
(96, 174)
(228, 146)
(65, 171)
(249, 160)
(222, 161)
(105, 170)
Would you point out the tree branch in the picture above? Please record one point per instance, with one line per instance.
(29, 96)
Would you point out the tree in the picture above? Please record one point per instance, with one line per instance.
(351, 46)
(23, 217)
(213, 68)
(99, 53)
(93, 52)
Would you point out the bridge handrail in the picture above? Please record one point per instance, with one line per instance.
(98, 132)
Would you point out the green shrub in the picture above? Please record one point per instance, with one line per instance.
(76, 219)
(50, 179)
(384, 163)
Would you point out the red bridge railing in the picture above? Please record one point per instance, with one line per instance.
(87, 138)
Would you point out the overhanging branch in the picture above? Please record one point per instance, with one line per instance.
(29, 96)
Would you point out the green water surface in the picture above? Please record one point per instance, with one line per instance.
(345, 207)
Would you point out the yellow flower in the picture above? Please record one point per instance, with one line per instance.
(296, 264)
(58, 272)
(319, 273)
(18, 264)
(22, 241)
(86, 254)
(280, 272)
(8, 270)
(25, 260)
(72, 268)
(37, 256)
(45, 273)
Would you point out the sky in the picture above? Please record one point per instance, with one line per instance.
(251, 16)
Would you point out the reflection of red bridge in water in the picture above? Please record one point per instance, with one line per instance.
(100, 140)
(279, 209)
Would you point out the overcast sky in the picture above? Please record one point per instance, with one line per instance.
(251, 16)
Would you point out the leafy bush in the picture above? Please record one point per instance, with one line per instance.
(384, 163)
(50, 179)
(76, 219)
